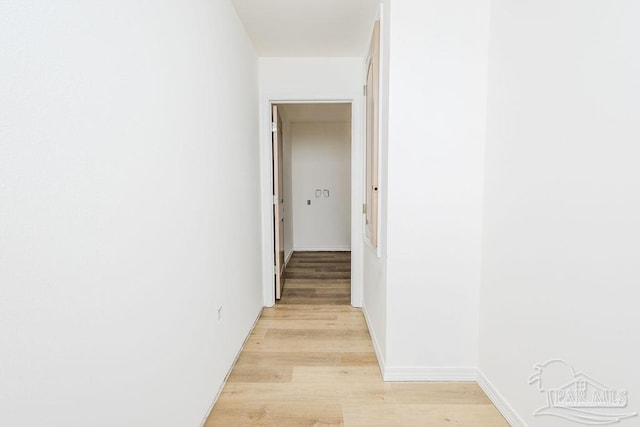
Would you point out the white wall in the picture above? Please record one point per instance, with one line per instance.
(311, 79)
(437, 99)
(561, 231)
(321, 160)
(374, 299)
(374, 302)
(321, 78)
(128, 205)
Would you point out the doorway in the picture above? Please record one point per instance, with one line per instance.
(321, 181)
(311, 152)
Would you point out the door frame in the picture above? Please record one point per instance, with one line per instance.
(277, 136)
(357, 171)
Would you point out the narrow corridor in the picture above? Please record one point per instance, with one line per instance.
(310, 361)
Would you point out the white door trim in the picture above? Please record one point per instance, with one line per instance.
(266, 163)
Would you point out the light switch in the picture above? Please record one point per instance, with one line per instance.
(308, 202)
(318, 194)
(326, 193)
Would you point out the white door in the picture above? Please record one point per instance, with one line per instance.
(278, 202)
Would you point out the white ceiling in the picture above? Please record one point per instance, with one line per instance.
(297, 113)
(308, 27)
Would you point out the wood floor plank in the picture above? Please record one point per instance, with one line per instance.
(259, 331)
(309, 345)
(393, 414)
(368, 392)
(339, 323)
(458, 393)
(310, 362)
(290, 359)
(276, 413)
(317, 334)
(284, 307)
(314, 282)
(261, 374)
(347, 376)
(359, 359)
(299, 315)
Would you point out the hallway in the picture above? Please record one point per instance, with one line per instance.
(318, 278)
(310, 361)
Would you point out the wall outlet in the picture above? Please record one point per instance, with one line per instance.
(220, 314)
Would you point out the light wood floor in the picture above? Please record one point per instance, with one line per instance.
(310, 362)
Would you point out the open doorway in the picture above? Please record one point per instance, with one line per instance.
(312, 203)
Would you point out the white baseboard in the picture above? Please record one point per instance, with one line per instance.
(406, 374)
(288, 257)
(226, 377)
(329, 249)
(499, 401)
(427, 374)
(374, 339)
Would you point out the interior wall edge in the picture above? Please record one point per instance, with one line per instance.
(499, 401)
